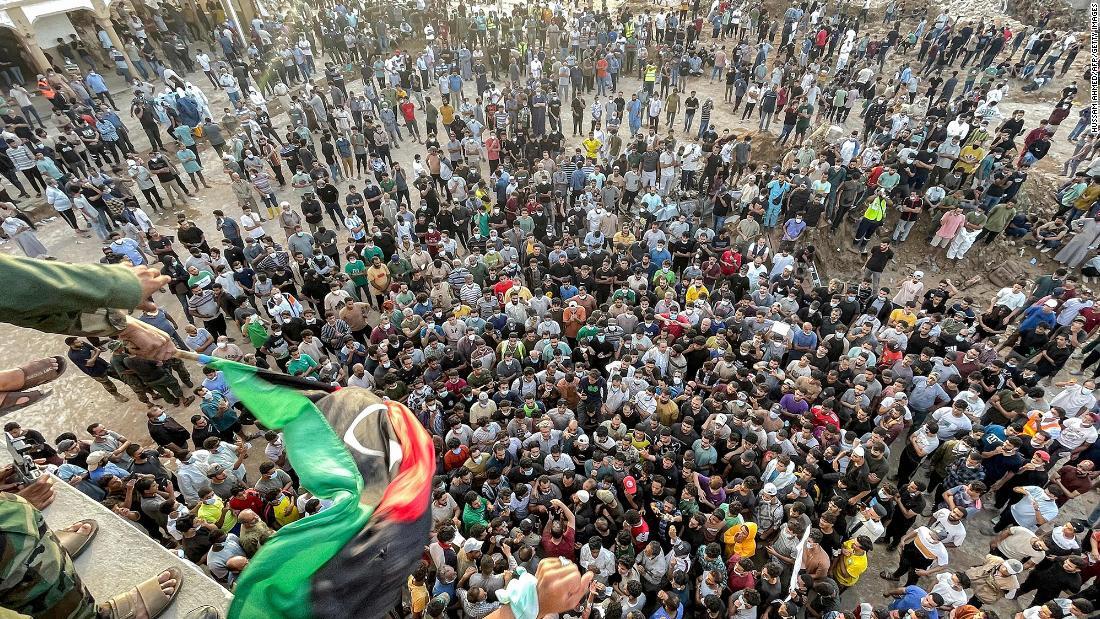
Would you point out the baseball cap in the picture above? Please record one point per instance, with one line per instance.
(769, 488)
(1051, 303)
(95, 459)
(1013, 566)
(66, 445)
(630, 485)
(1043, 455)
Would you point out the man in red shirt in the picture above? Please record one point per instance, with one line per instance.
(492, 151)
(639, 530)
(1075, 480)
(408, 112)
(559, 534)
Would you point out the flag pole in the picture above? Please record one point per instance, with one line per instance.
(271, 376)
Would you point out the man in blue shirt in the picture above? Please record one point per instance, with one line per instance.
(125, 246)
(99, 467)
(99, 88)
(1033, 317)
(915, 598)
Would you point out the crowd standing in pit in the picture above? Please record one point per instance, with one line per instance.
(621, 347)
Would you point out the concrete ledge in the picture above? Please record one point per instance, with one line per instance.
(121, 555)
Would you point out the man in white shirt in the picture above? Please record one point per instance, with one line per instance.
(360, 378)
(952, 419)
(1077, 433)
(251, 224)
(949, 523)
(952, 588)
(1011, 297)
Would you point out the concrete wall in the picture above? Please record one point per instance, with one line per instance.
(122, 555)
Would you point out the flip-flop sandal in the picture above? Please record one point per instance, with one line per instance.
(74, 542)
(38, 372)
(10, 400)
(203, 612)
(148, 593)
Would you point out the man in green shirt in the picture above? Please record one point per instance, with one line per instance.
(357, 271)
(805, 114)
(301, 364)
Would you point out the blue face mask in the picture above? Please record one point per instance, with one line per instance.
(162, 417)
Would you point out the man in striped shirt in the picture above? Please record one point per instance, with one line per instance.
(469, 291)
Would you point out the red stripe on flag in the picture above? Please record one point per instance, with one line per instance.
(408, 495)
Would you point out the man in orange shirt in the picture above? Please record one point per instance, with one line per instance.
(603, 77)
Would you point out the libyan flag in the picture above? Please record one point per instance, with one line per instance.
(375, 462)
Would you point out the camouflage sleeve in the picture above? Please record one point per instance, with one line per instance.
(37, 577)
(71, 299)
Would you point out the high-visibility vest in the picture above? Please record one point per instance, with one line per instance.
(651, 73)
(46, 89)
(629, 31)
(876, 210)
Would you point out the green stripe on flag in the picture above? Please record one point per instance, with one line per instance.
(277, 582)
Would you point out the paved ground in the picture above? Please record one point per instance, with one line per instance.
(78, 402)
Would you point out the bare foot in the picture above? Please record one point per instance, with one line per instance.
(83, 528)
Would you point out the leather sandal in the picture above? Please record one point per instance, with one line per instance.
(11, 401)
(38, 372)
(147, 593)
(74, 542)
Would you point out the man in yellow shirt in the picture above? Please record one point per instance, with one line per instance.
(623, 239)
(591, 146)
(852, 561)
(969, 157)
(1088, 197)
(691, 295)
(904, 314)
(447, 115)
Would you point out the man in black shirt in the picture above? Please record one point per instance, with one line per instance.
(330, 198)
(86, 358)
(876, 263)
(691, 105)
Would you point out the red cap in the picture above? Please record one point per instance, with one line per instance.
(630, 485)
(1044, 456)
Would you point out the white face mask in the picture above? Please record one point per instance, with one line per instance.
(211, 501)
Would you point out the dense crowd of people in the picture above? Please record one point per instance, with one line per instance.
(620, 340)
